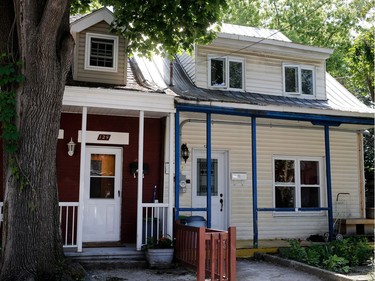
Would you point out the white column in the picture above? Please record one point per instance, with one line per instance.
(81, 181)
(171, 172)
(140, 179)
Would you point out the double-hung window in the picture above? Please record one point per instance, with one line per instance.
(299, 80)
(101, 52)
(226, 73)
(297, 183)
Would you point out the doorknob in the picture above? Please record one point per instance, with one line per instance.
(119, 193)
(221, 203)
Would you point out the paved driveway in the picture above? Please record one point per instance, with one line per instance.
(247, 270)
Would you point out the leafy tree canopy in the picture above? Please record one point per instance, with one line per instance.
(158, 26)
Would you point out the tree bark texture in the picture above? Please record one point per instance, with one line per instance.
(32, 246)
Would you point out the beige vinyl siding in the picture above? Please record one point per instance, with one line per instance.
(275, 141)
(263, 73)
(82, 74)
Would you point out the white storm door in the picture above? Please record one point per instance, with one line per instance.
(219, 192)
(102, 195)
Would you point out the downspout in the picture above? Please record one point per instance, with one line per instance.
(361, 175)
(170, 188)
(329, 181)
(254, 180)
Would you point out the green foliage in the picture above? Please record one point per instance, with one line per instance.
(360, 61)
(295, 251)
(336, 264)
(164, 242)
(9, 76)
(337, 256)
(83, 6)
(159, 26)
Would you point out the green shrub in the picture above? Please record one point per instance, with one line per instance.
(337, 264)
(338, 256)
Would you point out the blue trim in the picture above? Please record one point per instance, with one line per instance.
(329, 181)
(208, 151)
(318, 119)
(291, 209)
(254, 180)
(177, 164)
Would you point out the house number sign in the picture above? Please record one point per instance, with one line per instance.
(104, 137)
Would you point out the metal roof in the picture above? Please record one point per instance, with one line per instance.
(253, 32)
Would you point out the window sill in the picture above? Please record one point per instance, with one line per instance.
(300, 214)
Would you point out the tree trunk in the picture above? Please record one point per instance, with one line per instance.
(32, 245)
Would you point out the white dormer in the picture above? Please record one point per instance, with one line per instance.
(99, 55)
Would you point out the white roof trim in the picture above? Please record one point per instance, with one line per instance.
(118, 99)
(92, 19)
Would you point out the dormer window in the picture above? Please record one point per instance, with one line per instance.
(226, 73)
(101, 52)
(299, 80)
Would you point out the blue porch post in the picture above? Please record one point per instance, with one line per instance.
(208, 156)
(254, 180)
(329, 183)
(177, 164)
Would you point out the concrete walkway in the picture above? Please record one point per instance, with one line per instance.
(267, 269)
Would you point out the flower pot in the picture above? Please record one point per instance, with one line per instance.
(160, 257)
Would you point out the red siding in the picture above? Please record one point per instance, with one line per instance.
(68, 167)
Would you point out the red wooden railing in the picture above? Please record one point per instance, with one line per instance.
(211, 252)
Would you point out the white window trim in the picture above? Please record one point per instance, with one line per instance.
(227, 78)
(299, 67)
(88, 48)
(297, 184)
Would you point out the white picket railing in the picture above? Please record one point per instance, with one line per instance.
(154, 220)
(68, 220)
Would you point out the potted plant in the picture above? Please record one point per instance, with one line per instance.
(159, 252)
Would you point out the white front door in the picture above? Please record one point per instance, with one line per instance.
(219, 183)
(102, 195)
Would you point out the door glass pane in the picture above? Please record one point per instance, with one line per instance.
(235, 75)
(218, 72)
(291, 79)
(202, 177)
(102, 176)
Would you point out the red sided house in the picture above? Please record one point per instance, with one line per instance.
(281, 139)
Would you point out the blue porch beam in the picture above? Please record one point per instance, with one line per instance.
(177, 164)
(254, 180)
(329, 181)
(208, 161)
(314, 118)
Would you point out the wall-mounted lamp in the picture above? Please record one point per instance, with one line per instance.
(185, 153)
(71, 147)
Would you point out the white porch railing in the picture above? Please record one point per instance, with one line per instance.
(68, 221)
(155, 221)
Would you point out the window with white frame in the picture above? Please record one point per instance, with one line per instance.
(297, 182)
(226, 73)
(101, 52)
(299, 79)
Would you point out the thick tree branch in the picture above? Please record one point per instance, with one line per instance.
(51, 19)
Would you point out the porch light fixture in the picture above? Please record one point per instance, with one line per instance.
(71, 147)
(185, 153)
